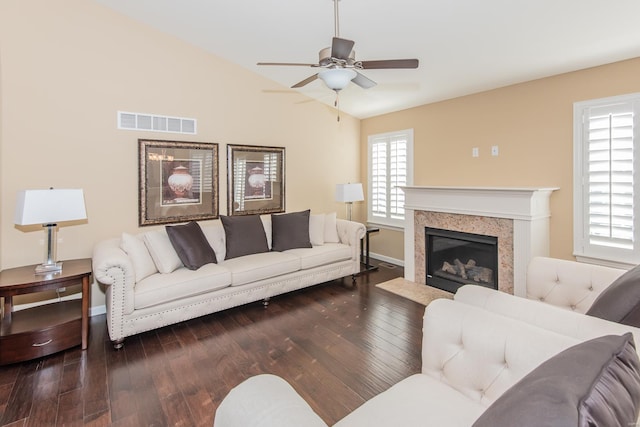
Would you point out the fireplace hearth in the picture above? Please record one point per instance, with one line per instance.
(457, 258)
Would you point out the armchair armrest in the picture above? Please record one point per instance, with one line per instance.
(268, 401)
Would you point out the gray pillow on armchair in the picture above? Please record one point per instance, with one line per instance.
(594, 383)
(620, 302)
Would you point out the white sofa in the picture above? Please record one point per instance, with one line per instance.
(470, 357)
(145, 291)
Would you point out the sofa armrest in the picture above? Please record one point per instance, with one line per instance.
(482, 354)
(568, 284)
(350, 233)
(112, 267)
(268, 401)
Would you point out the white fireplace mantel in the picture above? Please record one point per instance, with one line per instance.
(527, 207)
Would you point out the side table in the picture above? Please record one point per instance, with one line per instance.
(46, 329)
(364, 254)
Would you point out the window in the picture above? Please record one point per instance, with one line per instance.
(606, 133)
(390, 160)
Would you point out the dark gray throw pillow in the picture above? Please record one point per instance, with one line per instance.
(191, 245)
(290, 231)
(620, 302)
(244, 235)
(595, 383)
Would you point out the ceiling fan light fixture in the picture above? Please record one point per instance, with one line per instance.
(337, 78)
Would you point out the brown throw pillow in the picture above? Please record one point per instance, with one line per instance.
(244, 235)
(191, 245)
(620, 302)
(290, 230)
(595, 383)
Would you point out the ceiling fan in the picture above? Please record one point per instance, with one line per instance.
(339, 66)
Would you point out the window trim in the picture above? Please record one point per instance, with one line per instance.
(583, 250)
(391, 223)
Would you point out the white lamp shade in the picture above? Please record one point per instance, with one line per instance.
(337, 78)
(49, 206)
(349, 193)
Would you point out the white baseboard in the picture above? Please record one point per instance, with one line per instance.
(98, 310)
(390, 260)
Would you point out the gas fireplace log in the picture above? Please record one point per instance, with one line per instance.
(462, 269)
(470, 270)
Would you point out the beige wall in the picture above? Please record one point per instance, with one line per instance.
(532, 123)
(67, 67)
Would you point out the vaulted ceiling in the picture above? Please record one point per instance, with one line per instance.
(464, 46)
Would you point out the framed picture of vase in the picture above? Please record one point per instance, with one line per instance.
(255, 179)
(178, 181)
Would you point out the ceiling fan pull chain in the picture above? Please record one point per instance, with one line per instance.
(337, 104)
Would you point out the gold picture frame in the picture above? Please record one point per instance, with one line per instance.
(255, 179)
(178, 181)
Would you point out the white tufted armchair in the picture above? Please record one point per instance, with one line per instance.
(568, 284)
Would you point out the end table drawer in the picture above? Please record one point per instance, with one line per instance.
(29, 345)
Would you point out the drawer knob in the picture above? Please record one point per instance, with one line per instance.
(40, 344)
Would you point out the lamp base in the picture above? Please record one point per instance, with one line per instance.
(49, 268)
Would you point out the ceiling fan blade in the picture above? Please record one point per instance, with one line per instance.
(390, 63)
(297, 64)
(341, 48)
(305, 81)
(363, 82)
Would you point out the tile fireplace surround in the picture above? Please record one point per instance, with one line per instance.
(518, 217)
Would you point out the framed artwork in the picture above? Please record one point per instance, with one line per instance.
(178, 181)
(255, 179)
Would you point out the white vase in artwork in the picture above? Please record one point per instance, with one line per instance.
(257, 180)
(180, 181)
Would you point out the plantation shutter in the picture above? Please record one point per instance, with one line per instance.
(397, 175)
(609, 178)
(389, 168)
(379, 178)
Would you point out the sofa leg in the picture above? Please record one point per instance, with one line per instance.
(118, 344)
(265, 302)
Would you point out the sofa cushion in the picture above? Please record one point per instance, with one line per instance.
(596, 382)
(182, 283)
(321, 255)
(255, 267)
(143, 265)
(161, 250)
(419, 400)
(244, 235)
(620, 302)
(290, 230)
(191, 245)
(331, 228)
(316, 229)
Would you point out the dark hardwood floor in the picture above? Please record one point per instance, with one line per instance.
(337, 344)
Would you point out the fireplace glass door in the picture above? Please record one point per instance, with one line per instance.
(455, 258)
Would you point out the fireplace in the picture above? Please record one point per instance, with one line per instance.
(519, 217)
(456, 258)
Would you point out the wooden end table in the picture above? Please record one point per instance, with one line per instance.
(46, 329)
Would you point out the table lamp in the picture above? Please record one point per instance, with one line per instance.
(49, 207)
(349, 193)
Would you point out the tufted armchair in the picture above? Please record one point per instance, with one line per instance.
(474, 365)
(575, 299)
(470, 357)
(568, 284)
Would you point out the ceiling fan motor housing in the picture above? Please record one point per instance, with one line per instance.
(325, 58)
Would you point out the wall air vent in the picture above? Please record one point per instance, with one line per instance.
(154, 123)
